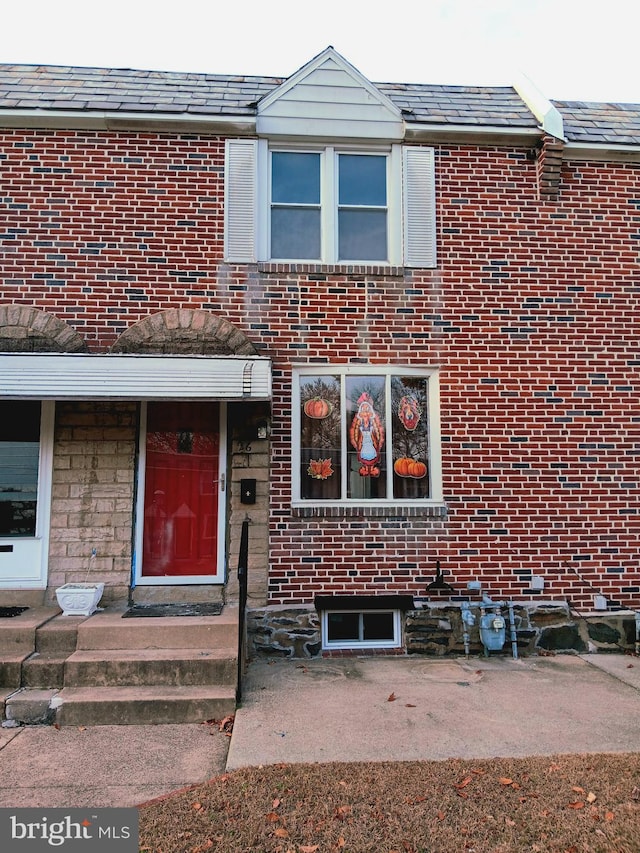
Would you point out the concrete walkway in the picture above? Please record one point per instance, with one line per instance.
(339, 709)
(105, 766)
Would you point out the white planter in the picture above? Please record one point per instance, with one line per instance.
(79, 599)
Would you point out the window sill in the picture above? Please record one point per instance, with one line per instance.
(427, 511)
(331, 269)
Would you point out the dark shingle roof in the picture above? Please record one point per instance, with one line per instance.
(50, 87)
(601, 123)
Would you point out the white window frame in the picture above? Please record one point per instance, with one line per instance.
(435, 459)
(25, 566)
(329, 201)
(393, 643)
(411, 202)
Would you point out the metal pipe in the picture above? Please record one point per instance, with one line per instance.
(512, 630)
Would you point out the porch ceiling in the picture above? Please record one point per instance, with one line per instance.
(47, 376)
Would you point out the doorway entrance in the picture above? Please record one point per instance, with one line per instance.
(182, 508)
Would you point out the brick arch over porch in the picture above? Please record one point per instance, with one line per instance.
(26, 329)
(184, 331)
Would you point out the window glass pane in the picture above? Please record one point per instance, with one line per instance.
(295, 178)
(362, 235)
(410, 437)
(320, 468)
(295, 233)
(365, 426)
(343, 626)
(19, 457)
(377, 625)
(362, 180)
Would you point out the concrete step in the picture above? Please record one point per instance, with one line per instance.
(11, 668)
(58, 635)
(113, 706)
(30, 707)
(109, 630)
(151, 667)
(43, 670)
(18, 633)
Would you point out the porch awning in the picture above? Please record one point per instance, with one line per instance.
(47, 376)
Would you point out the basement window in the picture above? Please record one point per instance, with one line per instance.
(363, 629)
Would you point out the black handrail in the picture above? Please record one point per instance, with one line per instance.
(243, 573)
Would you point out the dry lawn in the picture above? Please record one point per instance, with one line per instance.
(559, 804)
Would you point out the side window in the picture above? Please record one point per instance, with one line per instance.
(362, 207)
(19, 462)
(366, 437)
(295, 205)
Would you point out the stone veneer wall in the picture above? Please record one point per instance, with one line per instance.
(92, 495)
(437, 630)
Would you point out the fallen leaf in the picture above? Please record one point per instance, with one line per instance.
(578, 805)
(392, 697)
(635, 793)
(578, 790)
(280, 832)
(591, 798)
(342, 812)
(509, 822)
(504, 780)
(272, 817)
(410, 706)
(275, 803)
(440, 815)
(208, 844)
(340, 842)
(82, 728)
(463, 783)
(609, 816)
(309, 848)
(197, 807)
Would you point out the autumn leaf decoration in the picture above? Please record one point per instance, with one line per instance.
(320, 469)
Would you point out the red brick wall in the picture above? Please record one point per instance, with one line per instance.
(531, 315)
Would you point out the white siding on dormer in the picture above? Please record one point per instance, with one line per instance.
(328, 98)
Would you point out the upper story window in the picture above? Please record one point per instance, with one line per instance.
(329, 204)
(366, 435)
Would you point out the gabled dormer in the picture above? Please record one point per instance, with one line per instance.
(329, 99)
(328, 180)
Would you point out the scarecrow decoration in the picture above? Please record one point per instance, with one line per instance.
(367, 436)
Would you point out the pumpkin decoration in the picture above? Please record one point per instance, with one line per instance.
(407, 467)
(320, 469)
(317, 407)
(409, 412)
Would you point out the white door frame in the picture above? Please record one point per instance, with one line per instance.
(219, 576)
(24, 560)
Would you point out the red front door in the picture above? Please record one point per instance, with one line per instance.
(181, 491)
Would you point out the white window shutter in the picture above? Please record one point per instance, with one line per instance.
(419, 207)
(240, 194)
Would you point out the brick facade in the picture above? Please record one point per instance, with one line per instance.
(531, 316)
